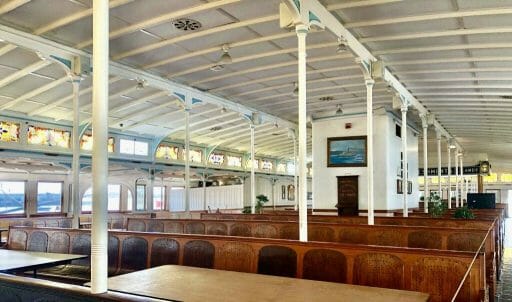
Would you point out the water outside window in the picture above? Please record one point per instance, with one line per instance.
(49, 197)
(12, 197)
(114, 199)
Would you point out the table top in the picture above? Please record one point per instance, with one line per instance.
(14, 260)
(197, 284)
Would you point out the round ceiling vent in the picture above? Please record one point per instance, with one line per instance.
(186, 24)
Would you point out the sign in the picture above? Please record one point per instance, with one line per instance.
(471, 170)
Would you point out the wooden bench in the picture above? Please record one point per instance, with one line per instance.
(458, 239)
(17, 288)
(116, 221)
(53, 222)
(435, 272)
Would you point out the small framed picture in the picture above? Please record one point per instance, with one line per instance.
(409, 187)
(399, 189)
(283, 192)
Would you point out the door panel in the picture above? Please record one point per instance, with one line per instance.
(348, 197)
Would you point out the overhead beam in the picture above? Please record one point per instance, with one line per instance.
(23, 72)
(11, 5)
(35, 92)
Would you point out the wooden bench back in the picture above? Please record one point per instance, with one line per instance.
(431, 271)
(53, 222)
(115, 220)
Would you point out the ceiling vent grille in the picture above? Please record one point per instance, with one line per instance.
(186, 24)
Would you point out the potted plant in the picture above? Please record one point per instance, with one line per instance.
(260, 201)
(436, 207)
(464, 213)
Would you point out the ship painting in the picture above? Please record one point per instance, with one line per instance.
(346, 151)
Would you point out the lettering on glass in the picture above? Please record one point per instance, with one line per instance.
(216, 159)
(266, 165)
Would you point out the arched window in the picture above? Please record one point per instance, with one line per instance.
(114, 199)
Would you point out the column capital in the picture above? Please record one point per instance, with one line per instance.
(75, 78)
(438, 134)
(301, 29)
(424, 120)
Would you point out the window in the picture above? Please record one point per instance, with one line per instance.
(216, 159)
(140, 198)
(266, 165)
(128, 146)
(398, 130)
(9, 132)
(12, 197)
(234, 161)
(49, 197)
(290, 168)
(195, 156)
(114, 199)
(167, 152)
(256, 163)
(48, 137)
(129, 200)
(86, 143)
(281, 168)
(158, 198)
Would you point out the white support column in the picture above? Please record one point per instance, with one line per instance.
(302, 32)
(99, 232)
(405, 171)
(426, 192)
(449, 182)
(253, 176)
(75, 187)
(456, 160)
(274, 193)
(369, 130)
(439, 188)
(462, 191)
(295, 177)
(187, 157)
(204, 192)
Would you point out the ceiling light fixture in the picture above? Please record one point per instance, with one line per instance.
(141, 84)
(226, 57)
(295, 91)
(342, 45)
(216, 67)
(339, 109)
(223, 110)
(276, 125)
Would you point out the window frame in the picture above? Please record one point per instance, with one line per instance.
(61, 197)
(137, 198)
(108, 211)
(18, 215)
(163, 191)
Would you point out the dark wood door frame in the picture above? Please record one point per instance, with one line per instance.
(348, 195)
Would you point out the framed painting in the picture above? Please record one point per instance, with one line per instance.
(399, 188)
(283, 192)
(350, 151)
(409, 187)
(291, 192)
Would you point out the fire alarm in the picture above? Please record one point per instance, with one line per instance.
(348, 125)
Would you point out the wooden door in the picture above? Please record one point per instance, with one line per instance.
(348, 197)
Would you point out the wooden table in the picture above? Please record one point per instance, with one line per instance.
(190, 284)
(19, 261)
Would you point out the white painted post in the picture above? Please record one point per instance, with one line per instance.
(75, 187)
(295, 175)
(449, 182)
(253, 176)
(426, 192)
(187, 157)
(462, 193)
(302, 32)
(456, 160)
(369, 125)
(100, 61)
(439, 188)
(405, 171)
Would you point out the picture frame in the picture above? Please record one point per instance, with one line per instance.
(291, 192)
(409, 187)
(399, 189)
(283, 192)
(349, 151)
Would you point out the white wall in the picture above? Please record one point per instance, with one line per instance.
(221, 197)
(386, 154)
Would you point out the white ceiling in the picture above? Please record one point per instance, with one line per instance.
(454, 56)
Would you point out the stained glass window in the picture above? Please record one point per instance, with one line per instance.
(491, 178)
(86, 143)
(167, 152)
(506, 177)
(281, 168)
(194, 155)
(234, 161)
(48, 137)
(9, 132)
(256, 163)
(266, 165)
(216, 159)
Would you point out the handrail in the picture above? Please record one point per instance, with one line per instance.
(461, 284)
